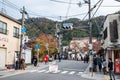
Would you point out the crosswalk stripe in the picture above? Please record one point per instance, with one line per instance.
(33, 71)
(79, 73)
(64, 72)
(56, 71)
(47, 71)
(72, 72)
(41, 71)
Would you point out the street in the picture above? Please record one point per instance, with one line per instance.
(67, 70)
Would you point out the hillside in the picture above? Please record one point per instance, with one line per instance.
(36, 26)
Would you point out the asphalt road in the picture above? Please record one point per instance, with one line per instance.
(67, 70)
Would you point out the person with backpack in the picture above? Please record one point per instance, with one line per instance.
(104, 66)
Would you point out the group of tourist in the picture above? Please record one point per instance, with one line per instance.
(103, 66)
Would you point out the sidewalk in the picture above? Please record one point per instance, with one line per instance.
(5, 72)
(97, 75)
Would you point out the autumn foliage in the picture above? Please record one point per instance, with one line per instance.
(47, 43)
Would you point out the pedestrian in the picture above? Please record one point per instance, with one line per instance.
(46, 58)
(110, 68)
(17, 64)
(104, 66)
(99, 62)
(35, 60)
(95, 64)
(23, 65)
(87, 58)
(84, 59)
(59, 57)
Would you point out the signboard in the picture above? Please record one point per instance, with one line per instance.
(117, 65)
(25, 47)
(23, 29)
(37, 46)
(53, 68)
(3, 39)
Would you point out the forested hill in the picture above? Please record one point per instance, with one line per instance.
(36, 26)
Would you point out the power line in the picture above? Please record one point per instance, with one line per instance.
(63, 2)
(68, 8)
(97, 8)
(10, 5)
(91, 9)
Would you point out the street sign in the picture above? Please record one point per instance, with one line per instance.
(23, 29)
(37, 46)
(25, 47)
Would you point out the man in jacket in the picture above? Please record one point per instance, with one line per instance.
(110, 68)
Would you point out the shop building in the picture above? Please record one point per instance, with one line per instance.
(9, 40)
(111, 39)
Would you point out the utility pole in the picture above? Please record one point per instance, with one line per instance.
(23, 12)
(90, 39)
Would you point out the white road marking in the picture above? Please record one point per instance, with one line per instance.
(47, 71)
(41, 71)
(72, 72)
(64, 72)
(57, 71)
(32, 71)
(79, 73)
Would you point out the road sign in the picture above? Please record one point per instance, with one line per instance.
(25, 47)
(23, 29)
(37, 46)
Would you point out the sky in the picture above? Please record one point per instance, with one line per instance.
(53, 10)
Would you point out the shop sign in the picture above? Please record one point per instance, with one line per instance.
(117, 65)
(3, 39)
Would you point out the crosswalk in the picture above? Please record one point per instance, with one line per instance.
(56, 72)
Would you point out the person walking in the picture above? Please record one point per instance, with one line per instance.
(99, 62)
(23, 65)
(95, 64)
(35, 61)
(104, 66)
(46, 58)
(59, 57)
(110, 68)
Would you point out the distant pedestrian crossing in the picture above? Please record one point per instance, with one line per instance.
(62, 72)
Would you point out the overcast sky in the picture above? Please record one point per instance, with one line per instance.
(52, 9)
